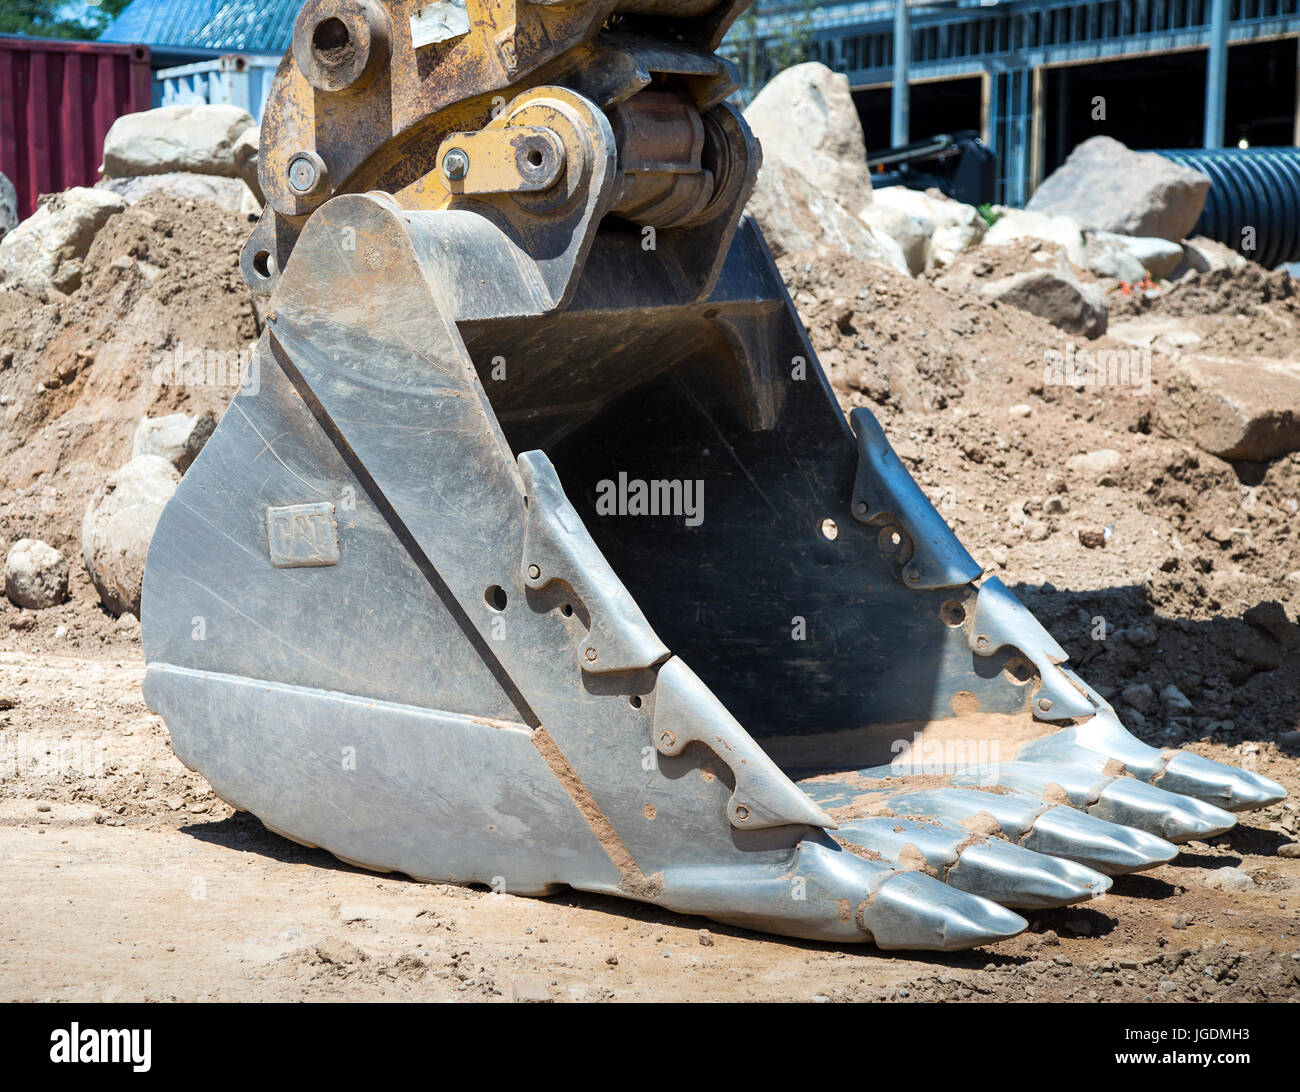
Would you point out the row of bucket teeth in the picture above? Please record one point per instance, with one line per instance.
(1028, 834)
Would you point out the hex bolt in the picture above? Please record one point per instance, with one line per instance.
(1045, 704)
(455, 164)
(914, 574)
(862, 506)
(667, 740)
(982, 641)
(590, 653)
(742, 812)
(534, 572)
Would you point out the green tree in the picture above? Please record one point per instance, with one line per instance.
(58, 18)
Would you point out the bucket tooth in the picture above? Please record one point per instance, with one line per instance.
(994, 869)
(1123, 800)
(829, 893)
(1023, 879)
(1107, 847)
(1225, 786)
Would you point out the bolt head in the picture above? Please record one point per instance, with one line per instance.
(667, 739)
(534, 572)
(455, 164)
(302, 175)
(590, 653)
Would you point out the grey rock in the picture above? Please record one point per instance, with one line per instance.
(1140, 696)
(805, 119)
(8, 206)
(1056, 295)
(117, 527)
(177, 437)
(198, 138)
(1106, 187)
(35, 575)
(230, 194)
(46, 250)
(1245, 408)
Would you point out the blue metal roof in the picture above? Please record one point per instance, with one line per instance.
(244, 26)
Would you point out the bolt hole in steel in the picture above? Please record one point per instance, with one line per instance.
(635, 701)
(262, 263)
(534, 157)
(567, 610)
(829, 529)
(953, 613)
(1019, 671)
(495, 597)
(890, 540)
(331, 42)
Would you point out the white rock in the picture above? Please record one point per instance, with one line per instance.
(949, 226)
(118, 525)
(797, 216)
(245, 155)
(1013, 224)
(177, 437)
(805, 119)
(35, 575)
(230, 194)
(1095, 463)
(1229, 879)
(1157, 256)
(911, 235)
(197, 138)
(46, 250)
(1202, 255)
(8, 206)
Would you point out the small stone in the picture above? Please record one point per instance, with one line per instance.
(1036, 530)
(1092, 539)
(1290, 850)
(1140, 696)
(1174, 699)
(1055, 505)
(174, 802)
(611, 960)
(1095, 463)
(706, 938)
(35, 575)
(1020, 410)
(339, 952)
(820, 999)
(1182, 921)
(1229, 879)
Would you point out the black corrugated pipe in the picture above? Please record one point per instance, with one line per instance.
(1249, 188)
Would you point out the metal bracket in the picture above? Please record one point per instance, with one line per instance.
(1001, 620)
(558, 547)
(501, 159)
(687, 711)
(884, 487)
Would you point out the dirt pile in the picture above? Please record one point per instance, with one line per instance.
(77, 372)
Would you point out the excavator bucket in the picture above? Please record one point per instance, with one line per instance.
(537, 552)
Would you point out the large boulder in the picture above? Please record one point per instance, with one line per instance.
(1106, 187)
(177, 437)
(1013, 224)
(200, 139)
(231, 194)
(931, 229)
(35, 575)
(8, 206)
(805, 119)
(46, 250)
(1056, 295)
(118, 525)
(797, 216)
(1236, 409)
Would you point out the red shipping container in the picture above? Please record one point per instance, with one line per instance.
(57, 101)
